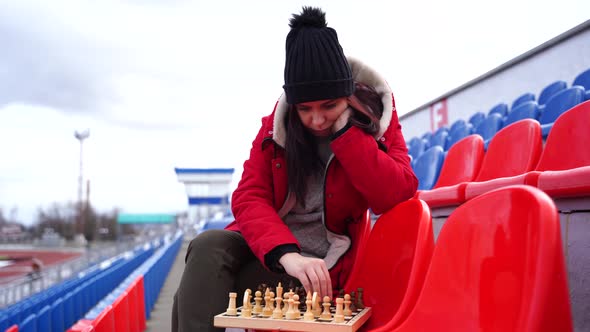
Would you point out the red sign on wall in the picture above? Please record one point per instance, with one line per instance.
(439, 115)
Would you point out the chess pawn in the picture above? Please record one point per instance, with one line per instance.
(316, 309)
(296, 306)
(246, 310)
(267, 311)
(278, 313)
(290, 312)
(353, 300)
(359, 299)
(326, 314)
(347, 311)
(272, 301)
(231, 309)
(285, 303)
(258, 299)
(339, 314)
(308, 315)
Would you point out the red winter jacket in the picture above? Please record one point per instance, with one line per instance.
(364, 172)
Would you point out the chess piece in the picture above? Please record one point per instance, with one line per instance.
(316, 309)
(290, 312)
(278, 312)
(347, 301)
(285, 303)
(272, 301)
(246, 310)
(267, 311)
(296, 306)
(326, 314)
(359, 299)
(339, 314)
(353, 299)
(279, 290)
(231, 309)
(258, 300)
(308, 315)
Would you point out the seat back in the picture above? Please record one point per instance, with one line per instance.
(417, 147)
(526, 110)
(514, 150)
(501, 109)
(561, 102)
(566, 145)
(458, 133)
(359, 233)
(583, 79)
(522, 99)
(489, 126)
(498, 265)
(476, 119)
(105, 321)
(462, 162)
(550, 90)
(395, 262)
(44, 319)
(439, 138)
(427, 167)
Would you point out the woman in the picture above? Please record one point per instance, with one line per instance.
(331, 149)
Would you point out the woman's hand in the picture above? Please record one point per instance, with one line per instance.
(342, 120)
(311, 272)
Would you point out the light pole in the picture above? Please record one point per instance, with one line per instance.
(81, 136)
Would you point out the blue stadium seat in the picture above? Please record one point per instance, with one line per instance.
(427, 167)
(550, 90)
(417, 147)
(459, 130)
(489, 127)
(426, 136)
(439, 138)
(583, 79)
(44, 319)
(558, 104)
(501, 109)
(29, 324)
(526, 110)
(57, 315)
(522, 99)
(476, 119)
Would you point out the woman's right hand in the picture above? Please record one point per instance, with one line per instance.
(311, 272)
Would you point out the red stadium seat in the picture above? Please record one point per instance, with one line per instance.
(13, 328)
(461, 165)
(360, 232)
(394, 264)
(514, 151)
(565, 162)
(121, 310)
(498, 265)
(105, 321)
(141, 303)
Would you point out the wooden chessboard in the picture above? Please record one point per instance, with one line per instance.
(350, 324)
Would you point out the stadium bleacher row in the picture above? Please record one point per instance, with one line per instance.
(538, 144)
(430, 152)
(117, 296)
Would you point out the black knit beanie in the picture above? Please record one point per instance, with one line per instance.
(315, 66)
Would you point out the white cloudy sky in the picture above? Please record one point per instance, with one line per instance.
(164, 84)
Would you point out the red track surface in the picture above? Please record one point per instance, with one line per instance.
(23, 264)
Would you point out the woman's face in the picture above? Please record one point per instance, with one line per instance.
(319, 116)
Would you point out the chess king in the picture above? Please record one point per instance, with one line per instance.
(331, 148)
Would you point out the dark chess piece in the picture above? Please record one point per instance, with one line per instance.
(359, 299)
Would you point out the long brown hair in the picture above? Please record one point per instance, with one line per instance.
(301, 147)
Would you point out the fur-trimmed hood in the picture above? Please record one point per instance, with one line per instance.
(360, 73)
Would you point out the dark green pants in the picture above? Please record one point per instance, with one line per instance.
(217, 262)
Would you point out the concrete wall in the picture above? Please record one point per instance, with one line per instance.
(559, 59)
